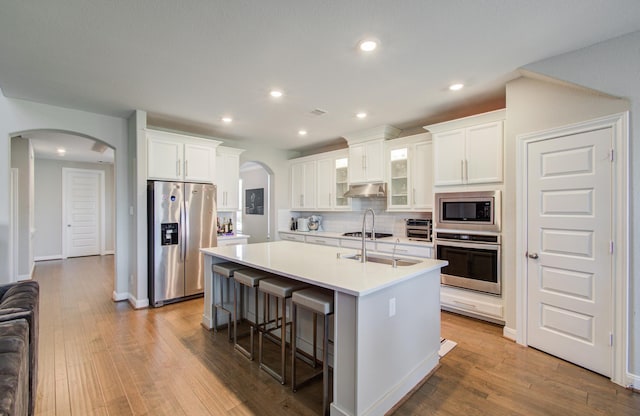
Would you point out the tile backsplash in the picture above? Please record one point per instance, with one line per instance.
(344, 221)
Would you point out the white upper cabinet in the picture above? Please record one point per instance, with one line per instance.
(177, 157)
(227, 178)
(468, 150)
(366, 154)
(303, 184)
(332, 181)
(367, 162)
(410, 173)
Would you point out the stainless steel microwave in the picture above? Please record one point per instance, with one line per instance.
(468, 211)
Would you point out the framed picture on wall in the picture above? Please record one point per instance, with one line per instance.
(254, 201)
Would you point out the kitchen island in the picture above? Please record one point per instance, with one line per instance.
(386, 322)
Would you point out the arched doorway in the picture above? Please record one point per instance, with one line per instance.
(257, 179)
(41, 159)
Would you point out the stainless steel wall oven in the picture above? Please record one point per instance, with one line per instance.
(467, 235)
(474, 261)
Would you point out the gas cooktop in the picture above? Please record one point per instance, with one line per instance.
(367, 234)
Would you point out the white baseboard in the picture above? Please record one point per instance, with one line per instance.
(509, 333)
(51, 257)
(138, 303)
(633, 381)
(117, 297)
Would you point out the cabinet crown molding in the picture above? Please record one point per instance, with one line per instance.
(384, 132)
(474, 120)
(229, 150)
(182, 136)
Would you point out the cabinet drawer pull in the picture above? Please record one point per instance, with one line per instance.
(320, 241)
(472, 306)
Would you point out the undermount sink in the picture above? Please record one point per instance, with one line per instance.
(378, 258)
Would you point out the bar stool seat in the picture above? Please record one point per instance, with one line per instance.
(250, 278)
(318, 301)
(281, 288)
(225, 270)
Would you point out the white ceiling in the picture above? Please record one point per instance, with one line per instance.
(188, 63)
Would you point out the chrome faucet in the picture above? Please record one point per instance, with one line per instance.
(363, 256)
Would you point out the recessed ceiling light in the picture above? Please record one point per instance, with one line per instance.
(302, 132)
(456, 87)
(368, 45)
(275, 93)
(61, 151)
(361, 114)
(227, 120)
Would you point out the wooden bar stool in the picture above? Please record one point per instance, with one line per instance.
(282, 289)
(320, 302)
(249, 278)
(225, 271)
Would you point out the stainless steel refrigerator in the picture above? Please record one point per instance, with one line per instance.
(181, 220)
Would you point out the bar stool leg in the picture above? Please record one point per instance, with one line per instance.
(283, 338)
(294, 323)
(325, 366)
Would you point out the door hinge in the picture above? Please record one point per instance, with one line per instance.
(612, 154)
(611, 339)
(611, 247)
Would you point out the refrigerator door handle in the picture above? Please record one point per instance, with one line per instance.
(183, 221)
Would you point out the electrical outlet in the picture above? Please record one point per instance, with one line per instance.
(392, 307)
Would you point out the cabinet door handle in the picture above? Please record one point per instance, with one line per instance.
(186, 168)
(178, 167)
(533, 256)
(414, 196)
(466, 170)
(462, 170)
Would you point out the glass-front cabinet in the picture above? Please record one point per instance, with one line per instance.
(342, 182)
(410, 173)
(399, 175)
(333, 181)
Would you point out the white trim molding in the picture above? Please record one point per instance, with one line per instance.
(509, 333)
(619, 123)
(117, 297)
(138, 303)
(50, 257)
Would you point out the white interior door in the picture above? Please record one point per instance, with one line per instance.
(569, 229)
(82, 212)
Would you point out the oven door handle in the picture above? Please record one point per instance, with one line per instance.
(464, 244)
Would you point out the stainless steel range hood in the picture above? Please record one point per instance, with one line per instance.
(367, 190)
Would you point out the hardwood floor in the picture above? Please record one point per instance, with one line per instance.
(98, 357)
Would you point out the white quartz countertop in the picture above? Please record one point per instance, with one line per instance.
(320, 265)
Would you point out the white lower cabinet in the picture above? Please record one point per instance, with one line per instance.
(474, 304)
(404, 249)
(292, 237)
(232, 241)
(324, 241)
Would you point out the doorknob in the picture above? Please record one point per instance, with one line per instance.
(533, 256)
